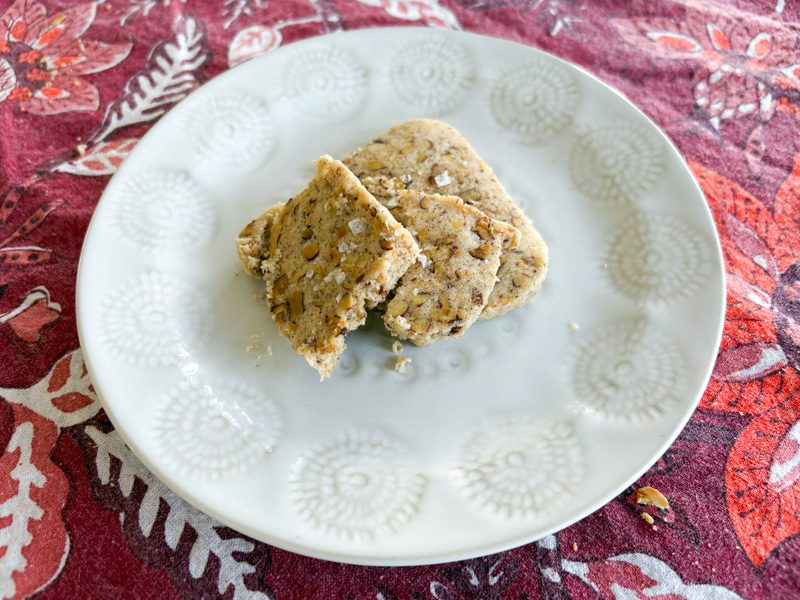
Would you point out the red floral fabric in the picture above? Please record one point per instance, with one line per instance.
(81, 517)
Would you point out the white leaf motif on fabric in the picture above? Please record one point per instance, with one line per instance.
(251, 42)
(21, 508)
(39, 397)
(233, 10)
(8, 79)
(100, 159)
(181, 515)
(549, 542)
(170, 77)
(668, 582)
(141, 7)
(429, 11)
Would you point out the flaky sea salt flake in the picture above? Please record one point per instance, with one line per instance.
(443, 179)
(357, 226)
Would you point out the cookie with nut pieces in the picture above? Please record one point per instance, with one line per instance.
(444, 292)
(334, 251)
(431, 156)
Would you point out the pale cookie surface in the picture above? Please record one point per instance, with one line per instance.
(444, 292)
(334, 251)
(430, 156)
(252, 244)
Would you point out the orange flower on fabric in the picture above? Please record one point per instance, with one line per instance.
(743, 63)
(757, 371)
(43, 58)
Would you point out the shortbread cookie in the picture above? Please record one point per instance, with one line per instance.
(444, 292)
(430, 156)
(386, 191)
(253, 241)
(333, 251)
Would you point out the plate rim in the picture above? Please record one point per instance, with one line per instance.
(464, 553)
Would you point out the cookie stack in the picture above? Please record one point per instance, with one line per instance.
(415, 224)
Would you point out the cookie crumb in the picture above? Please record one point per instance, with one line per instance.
(655, 527)
(401, 362)
(574, 546)
(647, 518)
(650, 496)
(252, 347)
(397, 347)
(81, 149)
(574, 326)
(259, 356)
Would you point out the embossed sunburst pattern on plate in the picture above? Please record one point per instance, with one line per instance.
(154, 319)
(629, 372)
(616, 163)
(432, 74)
(216, 428)
(520, 468)
(535, 101)
(357, 485)
(163, 210)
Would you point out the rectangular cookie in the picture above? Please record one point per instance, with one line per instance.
(333, 252)
(431, 156)
(445, 291)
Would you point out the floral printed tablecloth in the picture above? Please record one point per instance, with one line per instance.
(80, 517)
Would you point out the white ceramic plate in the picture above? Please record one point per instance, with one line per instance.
(519, 428)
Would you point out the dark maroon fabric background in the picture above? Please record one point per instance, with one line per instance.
(80, 517)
